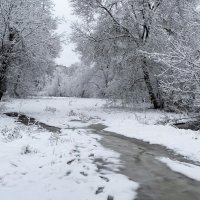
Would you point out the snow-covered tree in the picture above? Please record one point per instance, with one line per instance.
(122, 24)
(28, 44)
(119, 37)
(179, 59)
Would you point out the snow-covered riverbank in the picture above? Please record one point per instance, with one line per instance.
(37, 164)
(141, 124)
(71, 112)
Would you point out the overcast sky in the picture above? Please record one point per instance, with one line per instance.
(63, 9)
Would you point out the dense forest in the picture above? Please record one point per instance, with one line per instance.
(132, 50)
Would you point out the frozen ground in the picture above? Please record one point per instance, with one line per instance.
(71, 112)
(37, 164)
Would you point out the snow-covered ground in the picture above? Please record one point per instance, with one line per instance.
(72, 112)
(186, 169)
(37, 164)
(142, 124)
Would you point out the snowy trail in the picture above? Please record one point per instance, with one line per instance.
(141, 164)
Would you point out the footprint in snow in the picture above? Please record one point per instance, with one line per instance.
(68, 173)
(84, 174)
(99, 190)
(71, 161)
(105, 178)
(91, 155)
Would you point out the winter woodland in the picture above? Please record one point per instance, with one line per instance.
(122, 123)
(133, 51)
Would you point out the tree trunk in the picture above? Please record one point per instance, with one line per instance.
(2, 87)
(160, 96)
(83, 94)
(150, 89)
(4, 62)
(1, 95)
(16, 87)
(3, 69)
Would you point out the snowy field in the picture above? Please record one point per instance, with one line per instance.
(64, 165)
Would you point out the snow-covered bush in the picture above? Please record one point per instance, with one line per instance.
(50, 109)
(9, 134)
(28, 150)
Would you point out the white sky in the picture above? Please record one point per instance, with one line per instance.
(63, 9)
